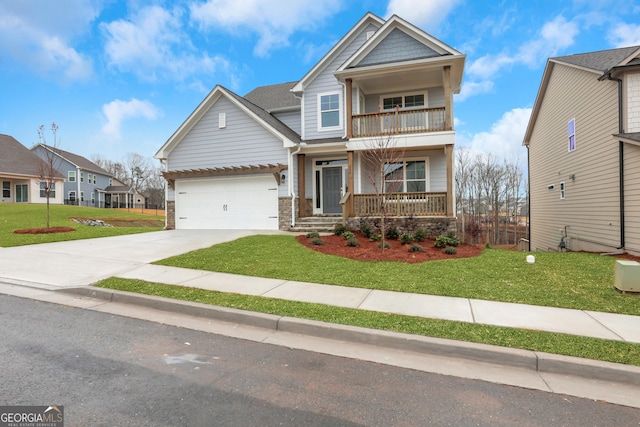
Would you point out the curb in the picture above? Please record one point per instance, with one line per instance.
(503, 356)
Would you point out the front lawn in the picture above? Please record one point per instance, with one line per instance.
(571, 280)
(18, 216)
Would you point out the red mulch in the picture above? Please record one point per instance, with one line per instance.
(45, 230)
(369, 251)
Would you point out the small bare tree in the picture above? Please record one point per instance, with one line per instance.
(47, 168)
(385, 167)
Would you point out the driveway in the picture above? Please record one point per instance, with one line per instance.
(83, 262)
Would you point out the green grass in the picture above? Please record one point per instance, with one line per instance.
(18, 216)
(571, 280)
(592, 348)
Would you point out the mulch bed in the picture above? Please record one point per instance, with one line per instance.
(369, 251)
(44, 230)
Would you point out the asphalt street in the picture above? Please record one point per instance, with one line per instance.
(112, 370)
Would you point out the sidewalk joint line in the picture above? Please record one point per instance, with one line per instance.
(604, 326)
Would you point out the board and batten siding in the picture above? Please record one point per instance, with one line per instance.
(243, 142)
(327, 82)
(591, 207)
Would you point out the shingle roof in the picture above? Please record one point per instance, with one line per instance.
(79, 161)
(273, 97)
(16, 159)
(602, 60)
(271, 120)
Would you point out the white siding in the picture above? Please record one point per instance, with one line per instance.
(591, 206)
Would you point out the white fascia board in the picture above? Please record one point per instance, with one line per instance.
(336, 50)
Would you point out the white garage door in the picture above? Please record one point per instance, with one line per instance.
(227, 203)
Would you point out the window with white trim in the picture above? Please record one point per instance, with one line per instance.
(563, 192)
(571, 131)
(6, 189)
(329, 111)
(72, 196)
(81, 176)
(71, 176)
(403, 101)
(82, 196)
(93, 198)
(43, 189)
(406, 176)
(110, 182)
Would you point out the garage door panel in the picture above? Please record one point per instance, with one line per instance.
(227, 203)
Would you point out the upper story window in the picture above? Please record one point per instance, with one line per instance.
(571, 131)
(403, 101)
(71, 176)
(110, 182)
(81, 176)
(563, 191)
(329, 106)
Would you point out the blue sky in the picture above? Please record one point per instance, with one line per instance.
(121, 76)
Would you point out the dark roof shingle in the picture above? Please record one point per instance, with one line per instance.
(77, 160)
(17, 159)
(274, 97)
(602, 60)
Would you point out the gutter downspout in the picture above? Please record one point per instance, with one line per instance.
(291, 186)
(620, 159)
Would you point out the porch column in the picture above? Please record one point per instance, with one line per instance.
(349, 108)
(302, 197)
(448, 114)
(448, 151)
(350, 183)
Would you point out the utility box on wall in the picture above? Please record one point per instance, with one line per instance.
(627, 276)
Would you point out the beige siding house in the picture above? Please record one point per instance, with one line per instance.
(583, 140)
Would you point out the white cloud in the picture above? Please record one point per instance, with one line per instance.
(117, 111)
(470, 89)
(40, 34)
(623, 35)
(273, 22)
(153, 45)
(427, 15)
(504, 140)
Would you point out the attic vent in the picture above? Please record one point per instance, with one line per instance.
(370, 34)
(222, 120)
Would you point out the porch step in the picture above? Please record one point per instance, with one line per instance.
(320, 224)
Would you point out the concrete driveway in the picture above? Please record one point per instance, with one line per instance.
(83, 262)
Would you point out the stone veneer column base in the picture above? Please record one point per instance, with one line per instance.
(171, 215)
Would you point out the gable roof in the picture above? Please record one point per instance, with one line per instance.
(274, 98)
(601, 63)
(263, 118)
(366, 20)
(16, 159)
(75, 159)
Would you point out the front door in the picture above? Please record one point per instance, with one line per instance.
(331, 189)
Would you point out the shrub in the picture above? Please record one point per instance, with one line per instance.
(353, 242)
(450, 250)
(487, 245)
(312, 234)
(317, 241)
(406, 238)
(387, 245)
(420, 235)
(392, 233)
(366, 228)
(339, 229)
(374, 237)
(443, 241)
(348, 235)
(416, 248)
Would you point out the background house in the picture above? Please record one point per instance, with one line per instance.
(20, 173)
(583, 140)
(287, 153)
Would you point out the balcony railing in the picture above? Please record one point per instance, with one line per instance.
(416, 120)
(401, 204)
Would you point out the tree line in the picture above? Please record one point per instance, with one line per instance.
(490, 198)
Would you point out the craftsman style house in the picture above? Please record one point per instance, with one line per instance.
(288, 152)
(583, 140)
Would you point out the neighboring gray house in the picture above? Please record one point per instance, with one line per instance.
(583, 140)
(20, 172)
(87, 184)
(288, 152)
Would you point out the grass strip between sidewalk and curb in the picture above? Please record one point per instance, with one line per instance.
(562, 344)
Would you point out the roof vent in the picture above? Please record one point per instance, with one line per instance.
(370, 34)
(222, 120)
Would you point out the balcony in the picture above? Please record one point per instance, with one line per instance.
(418, 120)
(401, 204)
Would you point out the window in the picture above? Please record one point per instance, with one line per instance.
(407, 176)
(71, 176)
(6, 189)
(403, 101)
(110, 181)
(562, 191)
(571, 130)
(43, 189)
(81, 176)
(93, 198)
(22, 193)
(82, 196)
(94, 178)
(329, 111)
(72, 196)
